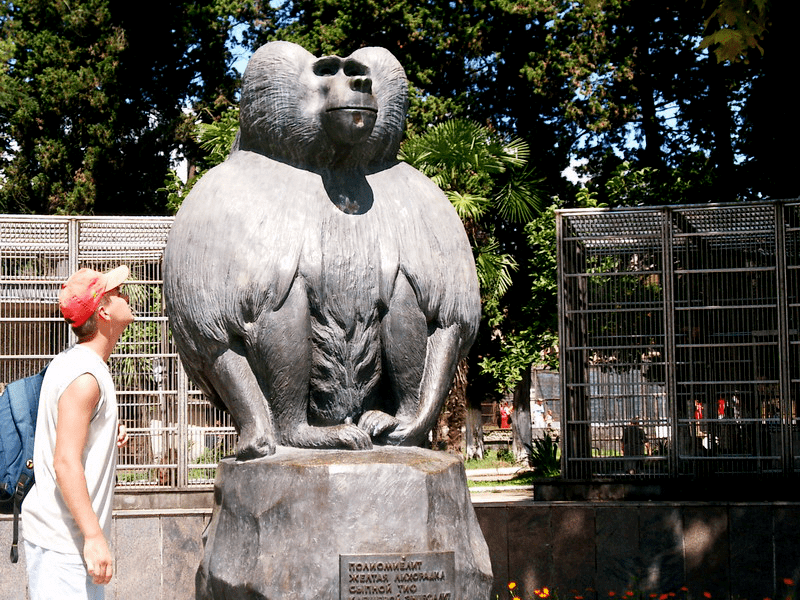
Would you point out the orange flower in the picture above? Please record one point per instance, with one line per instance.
(629, 593)
(545, 593)
(612, 593)
(512, 585)
(684, 589)
(788, 581)
(663, 597)
(707, 594)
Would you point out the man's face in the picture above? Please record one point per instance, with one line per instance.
(118, 307)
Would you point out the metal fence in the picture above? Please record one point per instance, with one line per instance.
(176, 436)
(680, 351)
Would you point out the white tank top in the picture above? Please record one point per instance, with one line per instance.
(46, 520)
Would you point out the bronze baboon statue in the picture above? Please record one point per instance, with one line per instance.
(317, 288)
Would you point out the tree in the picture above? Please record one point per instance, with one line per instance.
(57, 113)
(93, 98)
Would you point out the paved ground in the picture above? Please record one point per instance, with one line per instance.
(503, 495)
(500, 493)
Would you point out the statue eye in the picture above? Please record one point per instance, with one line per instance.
(327, 66)
(353, 68)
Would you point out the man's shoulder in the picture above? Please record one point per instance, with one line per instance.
(70, 364)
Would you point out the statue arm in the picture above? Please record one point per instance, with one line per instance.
(441, 361)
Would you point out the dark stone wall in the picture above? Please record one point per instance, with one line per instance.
(602, 550)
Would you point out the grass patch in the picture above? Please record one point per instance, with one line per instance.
(492, 459)
(525, 478)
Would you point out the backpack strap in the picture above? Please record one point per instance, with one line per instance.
(19, 494)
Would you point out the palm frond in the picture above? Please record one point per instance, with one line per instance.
(494, 269)
(217, 137)
(516, 152)
(469, 206)
(520, 199)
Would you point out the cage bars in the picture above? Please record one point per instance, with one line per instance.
(176, 436)
(679, 339)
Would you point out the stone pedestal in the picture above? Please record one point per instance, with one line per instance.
(389, 523)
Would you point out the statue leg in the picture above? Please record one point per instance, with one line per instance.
(280, 344)
(237, 387)
(421, 361)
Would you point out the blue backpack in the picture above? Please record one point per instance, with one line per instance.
(19, 405)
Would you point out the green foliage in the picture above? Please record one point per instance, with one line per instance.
(55, 106)
(516, 354)
(629, 186)
(484, 175)
(735, 27)
(545, 457)
(92, 99)
(216, 140)
(217, 137)
(492, 459)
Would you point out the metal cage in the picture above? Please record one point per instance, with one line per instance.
(176, 436)
(680, 352)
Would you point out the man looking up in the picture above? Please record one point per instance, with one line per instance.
(67, 514)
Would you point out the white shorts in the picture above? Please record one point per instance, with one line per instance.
(57, 576)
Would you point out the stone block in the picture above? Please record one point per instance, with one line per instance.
(138, 554)
(707, 551)
(661, 548)
(575, 554)
(530, 549)
(281, 523)
(751, 560)
(493, 521)
(183, 551)
(619, 565)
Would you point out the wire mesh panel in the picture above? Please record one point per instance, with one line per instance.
(612, 270)
(176, 436)
(727, 342)
(791, 217)
(679, 342)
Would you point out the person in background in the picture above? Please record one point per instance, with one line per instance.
(67, 514)
(634, 443)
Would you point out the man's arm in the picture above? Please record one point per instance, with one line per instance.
(75, 408)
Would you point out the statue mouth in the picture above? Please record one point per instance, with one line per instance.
(360, 116)
(371, 109)
(349, 125)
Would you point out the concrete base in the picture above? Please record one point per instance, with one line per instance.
(285, 526)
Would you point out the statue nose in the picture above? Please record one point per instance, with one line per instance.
(361, 84)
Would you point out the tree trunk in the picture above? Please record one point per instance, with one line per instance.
(448, 434)
(521, 421)
(473, 441)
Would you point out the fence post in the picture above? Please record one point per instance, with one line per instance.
(73, 247)
(183, 426)
(784, 379)
(668, 295)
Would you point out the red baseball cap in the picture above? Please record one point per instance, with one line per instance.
(81, 294)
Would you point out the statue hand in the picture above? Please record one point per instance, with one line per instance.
(376, 422)
(406, 433)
